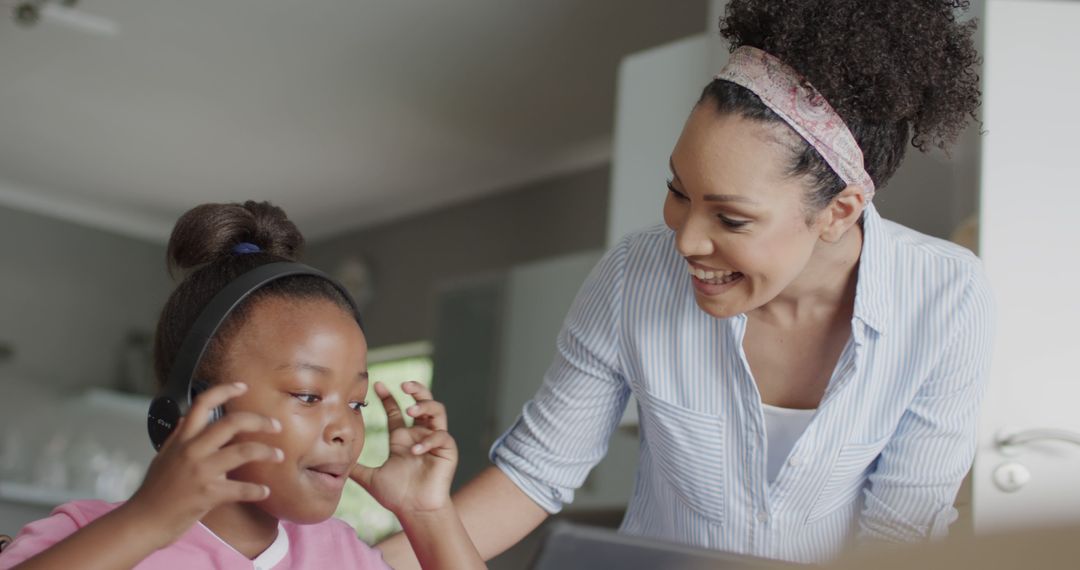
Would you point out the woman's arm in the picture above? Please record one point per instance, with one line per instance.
(562, 433)
(913, 487)
(494, 511)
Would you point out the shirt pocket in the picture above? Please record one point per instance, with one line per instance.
(847, 477)
(688, 450)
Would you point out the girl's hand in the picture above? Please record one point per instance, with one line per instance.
(188, 479)
(416, 478)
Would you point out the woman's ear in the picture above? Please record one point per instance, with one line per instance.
(842, 213)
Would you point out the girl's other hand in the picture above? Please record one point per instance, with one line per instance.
(416, 478)
(188, 479)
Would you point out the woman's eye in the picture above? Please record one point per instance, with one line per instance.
(307, 398)
(731, 223)
(671, 189)
(357, 406)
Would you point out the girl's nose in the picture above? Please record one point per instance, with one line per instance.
(341, 428)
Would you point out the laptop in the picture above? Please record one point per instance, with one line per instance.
(569, 546)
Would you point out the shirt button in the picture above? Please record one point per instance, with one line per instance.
(762, 516)
(795, 461)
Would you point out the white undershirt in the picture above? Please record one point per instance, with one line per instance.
(269, 557)
(783, 426)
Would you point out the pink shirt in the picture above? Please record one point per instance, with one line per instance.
(329, 544)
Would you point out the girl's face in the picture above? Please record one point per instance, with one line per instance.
(740, 222)
(305, 364)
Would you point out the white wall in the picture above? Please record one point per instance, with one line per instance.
(68, 297)
(656, 90)
(1029, 241)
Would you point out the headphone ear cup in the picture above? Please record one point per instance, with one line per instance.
(200, 386)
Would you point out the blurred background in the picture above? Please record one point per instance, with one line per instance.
(458, 165)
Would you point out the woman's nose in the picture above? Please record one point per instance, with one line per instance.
(692, 238)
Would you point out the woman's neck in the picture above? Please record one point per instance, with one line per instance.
(825, 286)
(243, 526)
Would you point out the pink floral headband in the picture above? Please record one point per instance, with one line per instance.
(789, 95)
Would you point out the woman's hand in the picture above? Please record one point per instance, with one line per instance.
(188, 478)
(416, 478)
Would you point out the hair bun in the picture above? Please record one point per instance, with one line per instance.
(209, 232)
(875, 61)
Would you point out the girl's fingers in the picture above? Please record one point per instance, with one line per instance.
(221, 432)
(241, 492)
(232, 456)
(199, 414)
(362, 474)
(429, 413)
(434, 440)
(417, 390)
(394, 417)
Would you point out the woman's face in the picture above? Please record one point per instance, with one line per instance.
(305, 364)
(740, 222)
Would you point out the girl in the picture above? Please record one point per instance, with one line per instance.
(257, 487)
(806, 372)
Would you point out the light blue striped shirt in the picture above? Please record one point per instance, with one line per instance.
(883, 457)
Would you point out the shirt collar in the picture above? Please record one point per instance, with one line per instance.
(872, 290)
(268, 558)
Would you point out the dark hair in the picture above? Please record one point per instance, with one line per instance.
(201, 246)
(892, 69)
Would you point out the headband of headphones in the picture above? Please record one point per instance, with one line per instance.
(174, 400)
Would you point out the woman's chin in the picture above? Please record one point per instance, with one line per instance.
(720, 310)
(717, 310)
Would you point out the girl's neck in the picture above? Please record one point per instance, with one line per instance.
(243, 526)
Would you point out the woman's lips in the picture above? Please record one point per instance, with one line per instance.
(716, 288)
(711, 281)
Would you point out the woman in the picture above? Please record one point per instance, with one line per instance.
(806, 371)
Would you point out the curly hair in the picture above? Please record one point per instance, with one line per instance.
(894, 70)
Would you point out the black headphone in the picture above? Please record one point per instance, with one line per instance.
(181, 387)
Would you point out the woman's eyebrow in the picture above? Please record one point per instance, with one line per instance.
(711, 197)
(671, 165)
(728, 198)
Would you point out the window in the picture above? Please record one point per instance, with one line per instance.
(392, 366)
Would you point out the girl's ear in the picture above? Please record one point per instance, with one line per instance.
(842, 213)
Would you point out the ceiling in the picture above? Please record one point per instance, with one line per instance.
(348, 113)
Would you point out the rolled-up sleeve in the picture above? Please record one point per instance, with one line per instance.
(563, 431)
(911, 492)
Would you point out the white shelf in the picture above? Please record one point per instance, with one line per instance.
(114, 403)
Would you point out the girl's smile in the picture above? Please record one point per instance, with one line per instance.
(329, 477)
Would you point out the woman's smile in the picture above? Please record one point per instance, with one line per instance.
(713, 281)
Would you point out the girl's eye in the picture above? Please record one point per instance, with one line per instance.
(307, 398)
(671, 189)
(357, 406)
(731, 223)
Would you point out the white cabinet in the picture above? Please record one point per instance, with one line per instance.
(656, 90)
